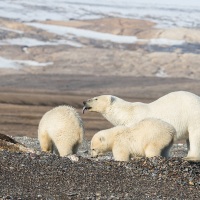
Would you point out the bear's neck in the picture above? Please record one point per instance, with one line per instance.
(123, 113)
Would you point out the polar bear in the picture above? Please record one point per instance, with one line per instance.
(181, 109)
(149, 137)
(61, 129)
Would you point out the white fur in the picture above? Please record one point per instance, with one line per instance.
(180, 109)
(62, 128)
(150, 137)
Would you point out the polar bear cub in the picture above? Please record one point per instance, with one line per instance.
(61, 129)
(150, 137)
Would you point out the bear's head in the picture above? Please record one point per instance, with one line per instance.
(99, 145)
(98, 104)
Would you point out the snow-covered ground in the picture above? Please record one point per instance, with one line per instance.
(181, 13)
(7, 63)
(167, 14)
(23, 41)
(59, 30)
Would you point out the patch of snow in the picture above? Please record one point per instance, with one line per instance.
(23, 41)
(60, 30)
(32, 63)
(11, 30)
(70, 43)
(182, 13)
(167, 42)
(69, 31)
(7, 63)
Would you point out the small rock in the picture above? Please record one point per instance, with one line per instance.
(191, 183)
(73, 158)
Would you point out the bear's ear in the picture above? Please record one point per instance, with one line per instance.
(112, 99)
(102, 139)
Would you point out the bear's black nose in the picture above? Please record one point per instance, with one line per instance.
(84, 102)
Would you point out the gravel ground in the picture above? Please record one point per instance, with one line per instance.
(48, 176)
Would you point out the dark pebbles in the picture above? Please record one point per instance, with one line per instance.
(48, 176)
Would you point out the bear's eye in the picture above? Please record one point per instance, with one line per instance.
(95, 99)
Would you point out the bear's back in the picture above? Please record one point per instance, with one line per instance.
(179, 100)
(61, 117)
(151, 129)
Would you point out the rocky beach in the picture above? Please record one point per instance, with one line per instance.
(48, 176)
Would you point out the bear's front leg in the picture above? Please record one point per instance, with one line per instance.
(121, 154)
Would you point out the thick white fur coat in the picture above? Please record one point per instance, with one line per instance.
(180, 109)
(62, 128)
(150, 137)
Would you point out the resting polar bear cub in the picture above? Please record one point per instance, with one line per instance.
(62, 128)
(150, 137)
(180, 109)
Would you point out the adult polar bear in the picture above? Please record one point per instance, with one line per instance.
(180, 109)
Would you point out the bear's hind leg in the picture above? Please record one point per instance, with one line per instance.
(63, 148)
(46, 143)
(194, 151)
(152, 150)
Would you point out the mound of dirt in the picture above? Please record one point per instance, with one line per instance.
(9, 144)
